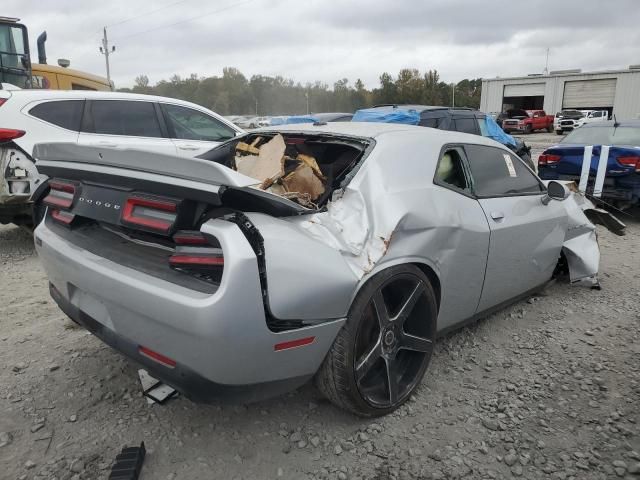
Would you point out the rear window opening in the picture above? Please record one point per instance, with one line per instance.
(305, 169)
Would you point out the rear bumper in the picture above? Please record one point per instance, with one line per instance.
(220, 342)
(182, 378)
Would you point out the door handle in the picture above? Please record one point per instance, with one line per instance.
(188, 147)
(497, 216)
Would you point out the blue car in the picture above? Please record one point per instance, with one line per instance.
(622, 180)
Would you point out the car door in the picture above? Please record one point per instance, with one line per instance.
(194, 132)
(132, 124)
(526, 235)
(539, 119)
(464, 233)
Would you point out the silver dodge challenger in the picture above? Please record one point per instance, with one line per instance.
(337, 252)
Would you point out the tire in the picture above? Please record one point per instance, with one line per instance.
(550, 128)
(528, 129)
(382, 342)
(558, 132)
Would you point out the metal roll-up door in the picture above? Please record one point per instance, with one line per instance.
(524, 90)
(589, 93)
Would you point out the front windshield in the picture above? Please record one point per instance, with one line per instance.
(605, 135)
(14, 59)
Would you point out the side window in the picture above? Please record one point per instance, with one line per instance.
(189, 124)
(450, 172)
(65, 113)
(496, 172)
(122, 117)
(482, 125)
(466, 125)
(433, 122)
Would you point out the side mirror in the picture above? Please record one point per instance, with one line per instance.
(556, 191)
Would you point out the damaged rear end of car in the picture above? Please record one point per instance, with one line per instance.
(161, 258)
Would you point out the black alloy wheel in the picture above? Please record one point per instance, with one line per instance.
(380, 356)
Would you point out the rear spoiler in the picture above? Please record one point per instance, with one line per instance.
(193, 169)
(97, 164)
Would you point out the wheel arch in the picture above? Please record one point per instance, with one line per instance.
(433, 278)
(422, 263)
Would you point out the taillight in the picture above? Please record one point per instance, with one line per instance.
(2, 100)
(198, 255)
(8, 134)
(62, 216)
(630, 161)
(193, 261)
(548, 159)
(157, 214)
(61, 194)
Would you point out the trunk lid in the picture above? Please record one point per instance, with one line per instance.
(107, 175)
(105, 180)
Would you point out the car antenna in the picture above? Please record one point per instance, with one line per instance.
(615, 121)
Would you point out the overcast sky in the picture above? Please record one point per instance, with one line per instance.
(309, 40)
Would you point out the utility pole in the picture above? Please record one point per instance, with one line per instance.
(546, 66)
(306, 94)
(106, 51)
(453, 94)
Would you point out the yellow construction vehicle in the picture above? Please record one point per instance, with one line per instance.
(17, 70)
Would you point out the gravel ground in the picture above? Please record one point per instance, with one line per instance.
(548, 388)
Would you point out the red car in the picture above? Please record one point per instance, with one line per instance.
(527, 121)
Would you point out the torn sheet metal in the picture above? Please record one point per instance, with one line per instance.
(19, 176)
(348, 226)
(580, 246)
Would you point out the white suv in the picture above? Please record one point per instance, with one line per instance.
(591, 116)
(103, 119)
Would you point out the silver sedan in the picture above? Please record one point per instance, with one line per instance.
(335, 252)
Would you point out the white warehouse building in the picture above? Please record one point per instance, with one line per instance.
(617, 91)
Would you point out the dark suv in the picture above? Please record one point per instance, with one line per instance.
(457, 119)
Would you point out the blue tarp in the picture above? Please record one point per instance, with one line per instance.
(395, 115)
(494, 131)
(300, 119)
(277, 120)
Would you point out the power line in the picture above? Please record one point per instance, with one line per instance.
(144, 14)
(229, 7)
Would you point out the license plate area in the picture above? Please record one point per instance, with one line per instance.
(99, 203)
(90, 305)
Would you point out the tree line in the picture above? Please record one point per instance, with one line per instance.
(234, 93)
